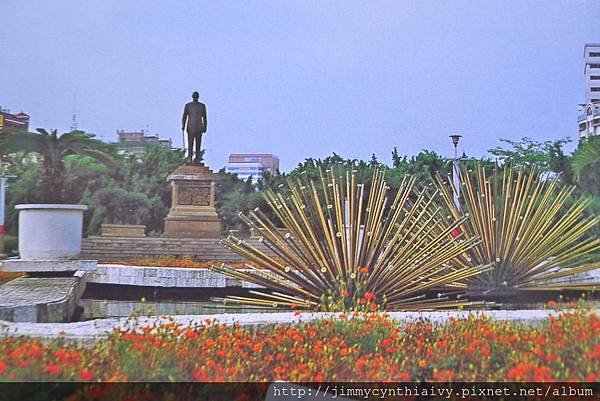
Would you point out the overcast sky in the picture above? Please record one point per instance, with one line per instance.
(302, 78)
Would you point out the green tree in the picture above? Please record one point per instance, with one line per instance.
(527, 152)
(122, 207)
(148, 175)
(586, 165)
(53, 149)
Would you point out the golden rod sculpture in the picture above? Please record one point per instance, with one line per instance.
(345, 241)
(530, 234)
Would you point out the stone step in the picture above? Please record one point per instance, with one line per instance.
(40, 300)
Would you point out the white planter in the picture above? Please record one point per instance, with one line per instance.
(50, 231)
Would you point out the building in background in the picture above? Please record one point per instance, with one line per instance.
(253, 165)
(136, 142)
(588, 120)
(13, 122)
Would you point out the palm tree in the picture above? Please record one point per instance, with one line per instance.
(585, 158)
(53, 149)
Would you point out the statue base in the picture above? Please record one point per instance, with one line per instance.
(193, 213)
(192, 227)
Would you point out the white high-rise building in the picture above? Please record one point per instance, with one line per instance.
(592, 72)
(589, 113)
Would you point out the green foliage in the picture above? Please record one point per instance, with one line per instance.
(586, 166)
(234, 195)
(425, 165)
(139, 185)
(53, 149)
(547, 156)
(74, 167)
(121, 206)
(11, 245)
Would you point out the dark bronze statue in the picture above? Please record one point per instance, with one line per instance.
(194, 118)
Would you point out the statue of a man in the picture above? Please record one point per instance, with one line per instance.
(194, 118)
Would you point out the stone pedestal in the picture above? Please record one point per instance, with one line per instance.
(122, 230)
(193, 213)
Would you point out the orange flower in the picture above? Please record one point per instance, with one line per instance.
(364, 270)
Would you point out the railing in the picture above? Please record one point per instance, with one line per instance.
(584, 116)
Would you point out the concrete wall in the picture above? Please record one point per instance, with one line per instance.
(167, 277)
(120, 248)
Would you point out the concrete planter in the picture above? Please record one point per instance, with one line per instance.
(122, 230)
(50, 231)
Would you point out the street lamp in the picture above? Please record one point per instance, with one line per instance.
(455, 139)
(456, 171)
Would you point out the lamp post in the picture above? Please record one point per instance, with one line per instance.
(456, 171)
(3, 181)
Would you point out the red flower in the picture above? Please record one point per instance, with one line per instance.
(364, 270)
(542, 374)
(35, 350)
(596, 352)
(52, 369)
(199, 375)
(369, 296)
(62, 354)
(86, 375)
(404, 376)
(191, 334)
(2, 367)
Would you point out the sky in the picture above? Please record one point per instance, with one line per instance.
(302, 78)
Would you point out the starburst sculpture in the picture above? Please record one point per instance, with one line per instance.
(534, 239)
(347, 243)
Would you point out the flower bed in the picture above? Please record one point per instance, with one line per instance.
(355, 348)
(170, 261)
(5, 277)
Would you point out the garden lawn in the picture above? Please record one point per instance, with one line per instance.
(356, 347)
